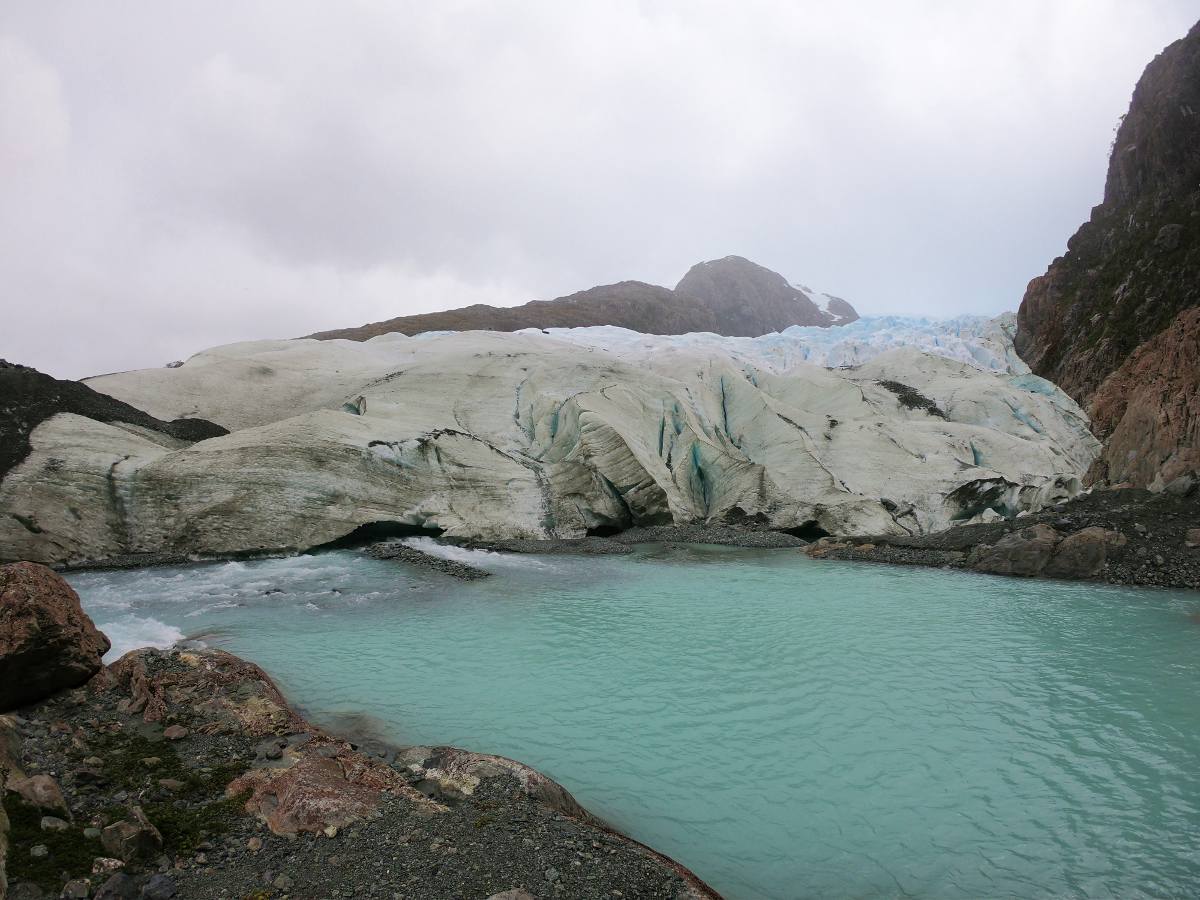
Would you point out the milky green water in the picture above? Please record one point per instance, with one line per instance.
(784, 727)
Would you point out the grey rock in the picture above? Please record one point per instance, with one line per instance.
(1182, 486)
(39, 851)
(77, 889)
(159, 887)
(53, 823)
(118, 887)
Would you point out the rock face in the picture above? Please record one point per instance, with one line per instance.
(1114, 322)
(750, 300)
(730, 296)
(492, 436)
(29, 397)
(47, 642)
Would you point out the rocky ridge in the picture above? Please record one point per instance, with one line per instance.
(185, 774)
(730, 296)
(1114, 321)
(1123, 536)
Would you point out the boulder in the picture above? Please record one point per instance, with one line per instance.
(1083, 554)
(312, 795)
(118, 887)
(41, 791)
(1026, 552)
(47, 641)
(132, 838)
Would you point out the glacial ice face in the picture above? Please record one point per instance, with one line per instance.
(985, 343)
(490, 434)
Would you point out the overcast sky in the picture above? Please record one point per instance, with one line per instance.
(175, 175)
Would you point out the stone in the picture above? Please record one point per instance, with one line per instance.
(175, 732)
(314, 796)
(174, 785)
(159, 887)
(513, 894)
(118, 887)
(1140, 528)
(47, 642)
(151, 761)
(106, 865)
(53, 823)
(77, 889)
(254, 844)
(39, 851)
(1081, 555)
(283, 882)
(1183, 486)
(91, 833)
(132, 838)
(1026, 552)
(1192, 537)
(41, 791)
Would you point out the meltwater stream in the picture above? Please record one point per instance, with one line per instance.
(784, 727)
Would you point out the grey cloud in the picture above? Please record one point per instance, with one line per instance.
(174, 178)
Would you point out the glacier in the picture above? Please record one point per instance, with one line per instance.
(886, 425)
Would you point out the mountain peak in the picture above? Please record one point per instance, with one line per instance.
(730, 296)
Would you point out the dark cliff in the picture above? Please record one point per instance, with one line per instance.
(1113, 321)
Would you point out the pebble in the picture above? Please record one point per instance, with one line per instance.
(331, 831)
(254, 844)
(39, 851)
(175, 732)
(91, 833)
(52, 823)
(77, 889)
(283, 883)
(552, 874)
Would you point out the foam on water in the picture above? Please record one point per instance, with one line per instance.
(129, 632)
(482, 559)
(785, 727)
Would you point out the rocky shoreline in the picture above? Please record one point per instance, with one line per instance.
(624, 541)
(1119, 536)
(186, 774)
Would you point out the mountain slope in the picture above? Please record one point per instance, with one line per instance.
(730, 296)
(1113, 320)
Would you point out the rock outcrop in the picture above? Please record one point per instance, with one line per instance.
(493, 436)
(47, 641)
(1122, 536)
(29, 397)
(250, 800)
(1114, 321)
(730, 296)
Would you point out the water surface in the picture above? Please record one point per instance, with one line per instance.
(784, 727)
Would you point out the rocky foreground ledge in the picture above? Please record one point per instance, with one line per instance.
(1126, 536)
(185, 774)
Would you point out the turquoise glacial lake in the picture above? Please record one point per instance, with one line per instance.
(784, 727)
